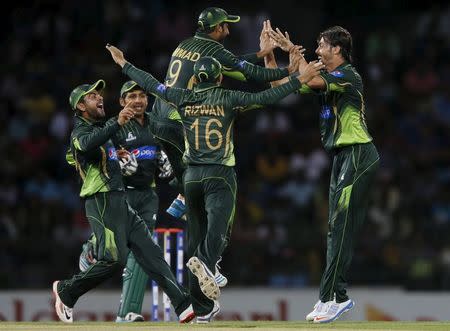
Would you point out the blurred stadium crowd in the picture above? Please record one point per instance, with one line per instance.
(283, 172)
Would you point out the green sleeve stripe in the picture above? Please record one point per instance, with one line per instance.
(305, 89)
(76, 143)
(69, 158)
(235, 75)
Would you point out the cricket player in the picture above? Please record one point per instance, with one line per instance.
(141, 159)
(117, 227)
(207, 113)
(213, 28)
(344, 134)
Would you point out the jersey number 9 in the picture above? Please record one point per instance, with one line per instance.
(174, 73)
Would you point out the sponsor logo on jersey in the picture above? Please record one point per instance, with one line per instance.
(337, 73)
(145, 153)
(112, 154)
(130, 137)
(326, 112)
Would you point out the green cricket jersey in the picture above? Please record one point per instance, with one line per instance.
(208, 112)
(138, 139)
(181, 68)
(342, 120)
(94, 156)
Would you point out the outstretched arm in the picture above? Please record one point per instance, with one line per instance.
(238, 68)
(266, 46)
(286, 44)
(245, 101)
(146, 80)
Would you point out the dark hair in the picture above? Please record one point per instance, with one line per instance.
(338, 36)
(207, 29)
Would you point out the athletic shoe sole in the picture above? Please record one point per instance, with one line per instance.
(59, 306)
(187, 315)
(206, 281)
(339, 314)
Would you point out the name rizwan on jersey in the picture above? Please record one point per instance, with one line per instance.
(204, 110)
(184, 54)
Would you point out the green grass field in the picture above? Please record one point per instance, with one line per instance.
(230, 325)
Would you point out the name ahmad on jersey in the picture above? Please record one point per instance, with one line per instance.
(187, 55)
(204, 110)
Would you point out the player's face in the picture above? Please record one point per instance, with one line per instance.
(138, 99)
(93, 103)
(324, 51)
(223, 30)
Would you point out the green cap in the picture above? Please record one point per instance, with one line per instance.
(212, 16)
(81, 90)
(207, 69)
(127, 87)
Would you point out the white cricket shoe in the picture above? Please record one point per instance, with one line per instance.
(334, 311)
(187, 315)
(319, 307)
(130, 317)
(64, 313)
(221, 280)
(209, 317)
(206, 279)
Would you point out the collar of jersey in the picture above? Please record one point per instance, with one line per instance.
(200, 87)
(146, 118)
(87, 121)
(204, 36)
(342, 65)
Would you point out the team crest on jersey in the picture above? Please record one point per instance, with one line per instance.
(337, 73)
(130, 137)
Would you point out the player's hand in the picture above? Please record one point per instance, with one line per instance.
(295, 56)
(282, 40)
(87, 256)
(266, 44)
(126, 114)
(116, 54)
(164, 165)
(128, 164)
(312, 69)
(122, 153)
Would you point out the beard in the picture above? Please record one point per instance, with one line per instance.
(96, 113)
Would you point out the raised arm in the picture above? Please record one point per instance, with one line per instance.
(146, 80)
(284, 42)
(240, 69)
(86, 139)
(266, 46)
(245, 101)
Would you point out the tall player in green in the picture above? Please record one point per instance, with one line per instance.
(212, 30)
(343, 133)
(207, 113)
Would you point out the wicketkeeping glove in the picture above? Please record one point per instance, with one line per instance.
(128, 165)
(164, 165)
